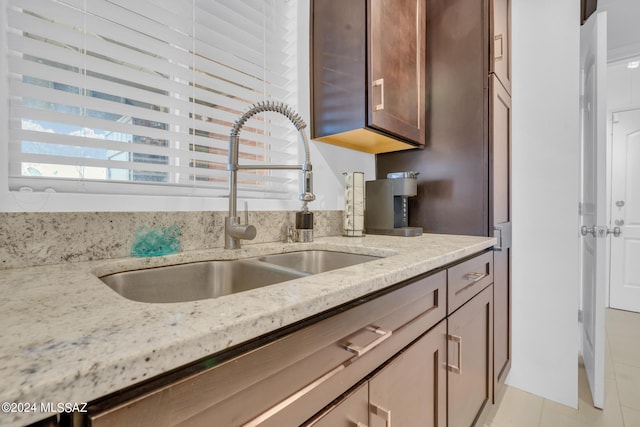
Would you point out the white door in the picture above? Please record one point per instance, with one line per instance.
(593, 209)
(625, 211)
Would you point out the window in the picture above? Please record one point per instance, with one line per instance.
(138, 97)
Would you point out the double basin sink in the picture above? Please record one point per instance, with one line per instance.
(212, 279)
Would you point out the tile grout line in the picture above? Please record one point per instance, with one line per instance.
(615, 377)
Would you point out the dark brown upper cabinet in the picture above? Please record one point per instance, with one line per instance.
(587, 7)
(368, 64)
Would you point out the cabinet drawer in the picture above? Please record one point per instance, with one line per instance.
(467, 279)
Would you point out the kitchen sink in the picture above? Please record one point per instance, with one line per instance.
(212, 279)
(196, 281)
(314, 262)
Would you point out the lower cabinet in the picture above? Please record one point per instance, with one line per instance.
(408, 391)
(419, 353)
(470, 360)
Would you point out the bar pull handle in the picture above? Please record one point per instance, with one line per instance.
(475, 277)
(379, 82)
(359, 350)
(381, 412)
(453, 368)
(498, 47)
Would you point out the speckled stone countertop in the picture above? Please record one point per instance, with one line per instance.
(67, 337)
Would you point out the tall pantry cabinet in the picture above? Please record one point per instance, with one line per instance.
(464, 185)
(500, 183)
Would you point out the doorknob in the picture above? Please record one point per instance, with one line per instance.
(584, 230)
(616, 231)
(620, 203)
(619, 222)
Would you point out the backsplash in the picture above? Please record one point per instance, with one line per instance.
(30, 239)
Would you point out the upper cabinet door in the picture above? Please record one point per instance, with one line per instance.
(368, 73)
(500, 41)
(397, 63)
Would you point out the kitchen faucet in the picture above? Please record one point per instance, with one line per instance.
(234, 231)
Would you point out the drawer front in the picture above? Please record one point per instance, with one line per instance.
(467, 279)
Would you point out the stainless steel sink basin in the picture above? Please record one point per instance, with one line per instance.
(212, 279)
(314, 262)
(196, 281)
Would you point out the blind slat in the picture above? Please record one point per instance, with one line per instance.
(213, 155)
(172, 171)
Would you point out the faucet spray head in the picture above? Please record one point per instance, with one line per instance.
(307, 184)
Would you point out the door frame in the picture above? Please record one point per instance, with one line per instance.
(609, 187)
(630, 106)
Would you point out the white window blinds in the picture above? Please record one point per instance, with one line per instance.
(138, 97)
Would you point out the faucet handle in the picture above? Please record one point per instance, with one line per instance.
(249, 231)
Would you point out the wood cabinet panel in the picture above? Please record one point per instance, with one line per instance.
(470, 360)
(500, 137)
(411, 390)
(397, 58)
(502, 318)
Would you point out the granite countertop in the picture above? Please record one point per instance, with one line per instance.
(67, 337)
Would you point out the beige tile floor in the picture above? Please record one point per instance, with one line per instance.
(622, 388)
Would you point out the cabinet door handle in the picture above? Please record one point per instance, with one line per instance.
(379, 82)
(359, 351)
(456, 369)
(381, 412)
(475, 277)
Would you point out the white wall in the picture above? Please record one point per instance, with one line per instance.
(623, 37)
(545, 159)
(623, 85)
